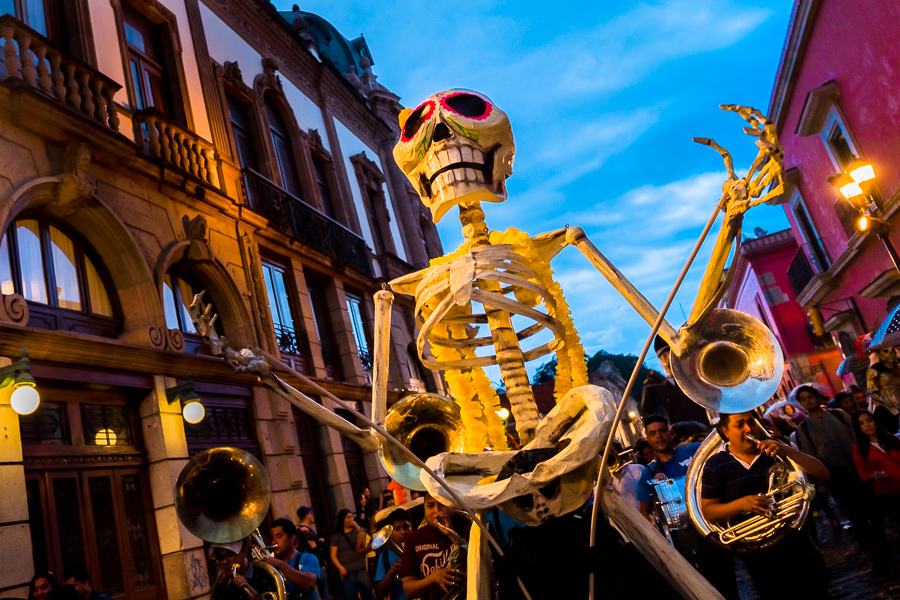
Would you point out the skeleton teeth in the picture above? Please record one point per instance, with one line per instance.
(470, 175)
(467, 154)
(455, 155)
(477, 155)
(443, 158)
(450, 176)
(433, 163)
(479, 176)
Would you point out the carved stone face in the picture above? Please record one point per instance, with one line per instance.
(455, 147)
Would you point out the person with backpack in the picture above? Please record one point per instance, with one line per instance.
(827, 434)
(299, 568)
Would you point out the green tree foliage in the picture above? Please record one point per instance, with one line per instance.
(624, 363)
(545, 372)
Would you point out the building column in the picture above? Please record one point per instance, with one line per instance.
(337, 479)
(15, 552)
(183, 562)
(277, 436)
(343, 333)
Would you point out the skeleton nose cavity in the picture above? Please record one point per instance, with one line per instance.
(441, 132)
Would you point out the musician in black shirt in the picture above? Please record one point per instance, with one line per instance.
(735, 482)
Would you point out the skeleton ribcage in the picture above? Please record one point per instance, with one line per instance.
(447, 292)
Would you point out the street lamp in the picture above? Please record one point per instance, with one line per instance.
(193, 411)
(851, 185)
(25, 398)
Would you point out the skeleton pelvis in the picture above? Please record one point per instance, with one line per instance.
(551, 476)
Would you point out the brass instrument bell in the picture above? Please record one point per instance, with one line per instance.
(380, 537)
(427, 424)
(222, 495)
(731, 362)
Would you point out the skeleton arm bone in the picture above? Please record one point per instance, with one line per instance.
(318, 412)
(576, 237)
(382, 351)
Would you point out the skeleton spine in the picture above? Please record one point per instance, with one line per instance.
(509, 354)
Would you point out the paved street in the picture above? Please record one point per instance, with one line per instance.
(852, 574)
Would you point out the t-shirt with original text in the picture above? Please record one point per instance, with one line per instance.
(426, 550)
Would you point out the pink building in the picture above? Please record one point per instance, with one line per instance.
(761, 288)
(836, 99)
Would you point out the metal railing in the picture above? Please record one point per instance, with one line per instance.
(292, 341)
(293, 217)
(31, 59)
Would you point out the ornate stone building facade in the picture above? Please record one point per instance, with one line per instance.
(149, 150)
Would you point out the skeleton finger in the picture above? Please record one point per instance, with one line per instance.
(726, 155)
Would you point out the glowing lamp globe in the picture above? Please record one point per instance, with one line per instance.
(105, 437)
(25, 399)
(864, 223)
(503, 413)
(193, 412)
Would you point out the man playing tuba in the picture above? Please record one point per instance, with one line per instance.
(735, 485)
(237, 580)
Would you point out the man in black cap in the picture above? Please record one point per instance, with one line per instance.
(666, 398)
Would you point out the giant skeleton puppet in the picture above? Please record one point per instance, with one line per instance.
(457, 149)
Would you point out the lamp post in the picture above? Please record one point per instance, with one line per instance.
(192, 411)
(25, 398)
(856, 186)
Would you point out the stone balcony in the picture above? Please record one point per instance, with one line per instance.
(174, 145)
(29, 59)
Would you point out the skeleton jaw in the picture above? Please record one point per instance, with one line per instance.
(456, 173)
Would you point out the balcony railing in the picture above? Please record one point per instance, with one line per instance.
(365, 359)
(31, 59)
(292, 217)
(173, 144)
(289, 340)
(800, 272)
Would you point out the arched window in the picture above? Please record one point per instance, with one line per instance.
(179, 290)
(284, 152)
(58, 276)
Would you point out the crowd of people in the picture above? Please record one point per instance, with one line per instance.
(848, 446)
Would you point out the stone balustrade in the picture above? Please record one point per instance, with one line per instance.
(31, 59)
(175, 145)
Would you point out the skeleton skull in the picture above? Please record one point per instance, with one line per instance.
(455, 147)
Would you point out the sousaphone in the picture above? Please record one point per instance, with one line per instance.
(221, 496)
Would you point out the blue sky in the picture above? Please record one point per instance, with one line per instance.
(604, 98)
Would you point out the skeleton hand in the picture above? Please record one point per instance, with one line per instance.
(741, 194)
(204, 322)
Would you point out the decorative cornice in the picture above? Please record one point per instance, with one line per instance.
(815, 108)
(818, 289)
(884, 285)
(799, 31)
(75, 460)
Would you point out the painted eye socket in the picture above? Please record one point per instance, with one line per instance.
(467, 105)
(416, 119)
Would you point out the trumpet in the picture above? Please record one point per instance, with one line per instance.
(382, 537)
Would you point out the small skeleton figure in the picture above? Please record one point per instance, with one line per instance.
(883, 380)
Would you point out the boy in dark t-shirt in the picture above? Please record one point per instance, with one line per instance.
(423, 566)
